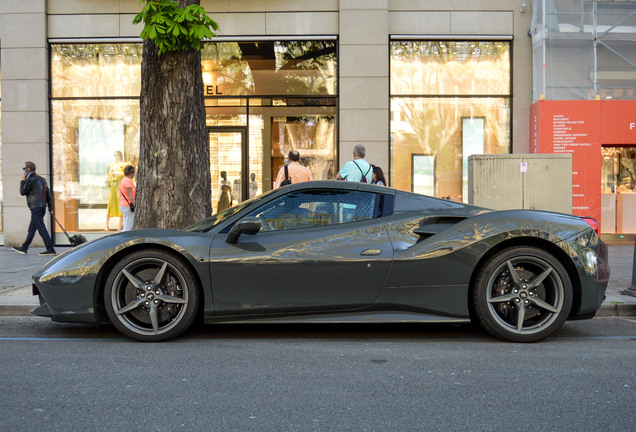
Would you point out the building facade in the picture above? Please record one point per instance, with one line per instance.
(584, 103)
(422, 84)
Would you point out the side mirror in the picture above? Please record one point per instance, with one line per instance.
(250, 225)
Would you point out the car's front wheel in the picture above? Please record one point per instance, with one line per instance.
(522, 294)
(151, 296)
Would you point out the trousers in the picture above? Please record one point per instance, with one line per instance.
(37, 224)
(129, 218)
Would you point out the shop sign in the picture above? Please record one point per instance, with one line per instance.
(618, 122)
(212, 90)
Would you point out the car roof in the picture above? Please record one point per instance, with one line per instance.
(338, 184)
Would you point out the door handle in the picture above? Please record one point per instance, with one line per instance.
(370, 252)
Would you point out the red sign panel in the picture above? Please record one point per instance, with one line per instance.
(572, 127)
(618, 122)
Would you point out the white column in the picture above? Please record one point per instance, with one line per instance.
(25, 108)
(364, 79)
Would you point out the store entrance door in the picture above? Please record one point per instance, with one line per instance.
(227, 165)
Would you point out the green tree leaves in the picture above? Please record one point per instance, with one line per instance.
(172, 28)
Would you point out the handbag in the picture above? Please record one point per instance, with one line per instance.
(132, 206)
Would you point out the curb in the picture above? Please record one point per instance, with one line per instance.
(616, 310)
(16, 310)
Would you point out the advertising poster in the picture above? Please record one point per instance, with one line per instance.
(98, 141)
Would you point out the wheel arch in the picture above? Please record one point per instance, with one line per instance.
(107, 267)
(545, 245)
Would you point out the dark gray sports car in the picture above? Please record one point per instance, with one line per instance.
(336, 251)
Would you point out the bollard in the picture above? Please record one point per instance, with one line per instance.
(631, 291)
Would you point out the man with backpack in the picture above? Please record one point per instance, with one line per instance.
(292, 173)
(357, 169)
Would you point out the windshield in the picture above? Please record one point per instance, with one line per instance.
(212, 221)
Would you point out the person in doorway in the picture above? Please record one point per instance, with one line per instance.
(378, 176)
(295, 171)
(225, 200)
(236, 190)
(127, 193)
(253, 185)
(357, 169)
(115, 174)
(38, 196)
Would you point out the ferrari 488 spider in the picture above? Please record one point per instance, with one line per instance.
(336, 251)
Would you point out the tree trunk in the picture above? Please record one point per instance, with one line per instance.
(173, 182)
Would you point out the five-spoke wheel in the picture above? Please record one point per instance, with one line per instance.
(522, 294)
(151, 296)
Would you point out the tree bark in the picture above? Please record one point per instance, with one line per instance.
(173, 182)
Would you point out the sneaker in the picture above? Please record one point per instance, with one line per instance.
(21, 250)
(48, 252)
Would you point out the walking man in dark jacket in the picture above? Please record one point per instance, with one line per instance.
(38, 197)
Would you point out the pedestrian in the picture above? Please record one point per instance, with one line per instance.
(114, 174)
(38, 196)
(357, 169)
(225, 199)
(378, 176)
(253, 185)
(127, 193)
(294, 171)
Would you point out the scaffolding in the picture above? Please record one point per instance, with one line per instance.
(584, 50)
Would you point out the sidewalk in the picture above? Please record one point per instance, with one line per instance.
(16, 270)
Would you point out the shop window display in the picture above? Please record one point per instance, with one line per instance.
(449, 99)
(261, 97)
(1, 192)
(618, 190)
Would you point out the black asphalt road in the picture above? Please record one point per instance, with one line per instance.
(62, 377)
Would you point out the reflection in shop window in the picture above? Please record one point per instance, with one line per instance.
(269, 68)
(449, 99)
(312, 136)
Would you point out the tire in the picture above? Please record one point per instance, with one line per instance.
(522, 294)
(151, 296)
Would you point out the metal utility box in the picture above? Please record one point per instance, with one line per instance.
(521, 181)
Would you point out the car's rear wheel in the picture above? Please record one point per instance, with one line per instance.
(522, 294)
(151, 296)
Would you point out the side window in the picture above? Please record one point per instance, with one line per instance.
(309, 209)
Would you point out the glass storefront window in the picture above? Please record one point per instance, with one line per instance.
(312, 136)
(87, 135)
(1, 193)
(261, 99)
(95, 70)
(449, 100)
(95, 130)
(450, 68)
(269, 68)
(618, 190)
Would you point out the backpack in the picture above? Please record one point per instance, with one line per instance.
(287, 180)
(364, 175)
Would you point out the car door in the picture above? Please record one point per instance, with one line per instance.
(317, 250)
